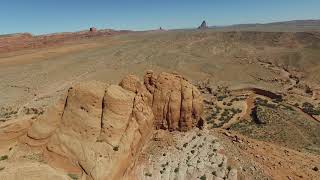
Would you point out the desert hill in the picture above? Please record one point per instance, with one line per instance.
(285, 26)
(13, 42)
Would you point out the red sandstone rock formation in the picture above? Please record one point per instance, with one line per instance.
(176, 103)
(103, 127)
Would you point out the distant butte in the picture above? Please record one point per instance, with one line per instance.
(203, 25)
(93, 29)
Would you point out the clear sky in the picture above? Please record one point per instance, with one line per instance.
(47, 16)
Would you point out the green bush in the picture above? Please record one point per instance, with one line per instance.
(73, 176)
(4, 157)
(116, 148)
(185, 145)
(220, 98)
(188, 158)
(203, 177)
(310, 109)
(235, 99)
(176, 170)
(148, 174)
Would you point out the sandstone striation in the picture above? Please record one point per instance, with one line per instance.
(98, 126)
(176, 103)
(101, 128)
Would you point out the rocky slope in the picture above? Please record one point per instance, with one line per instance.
(194, 154)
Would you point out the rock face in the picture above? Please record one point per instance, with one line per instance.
(203, 25)
(100, 126)
(103, 127)
(176, 103)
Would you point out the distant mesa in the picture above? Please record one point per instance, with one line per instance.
(203, 25)
(19, 41)
(93, 29)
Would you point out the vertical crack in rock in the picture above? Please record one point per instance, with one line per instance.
(181, 97)
(101, 119)
(65, 102)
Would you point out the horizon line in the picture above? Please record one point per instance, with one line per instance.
(142, 30)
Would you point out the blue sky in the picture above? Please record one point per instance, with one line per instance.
(47, 16)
